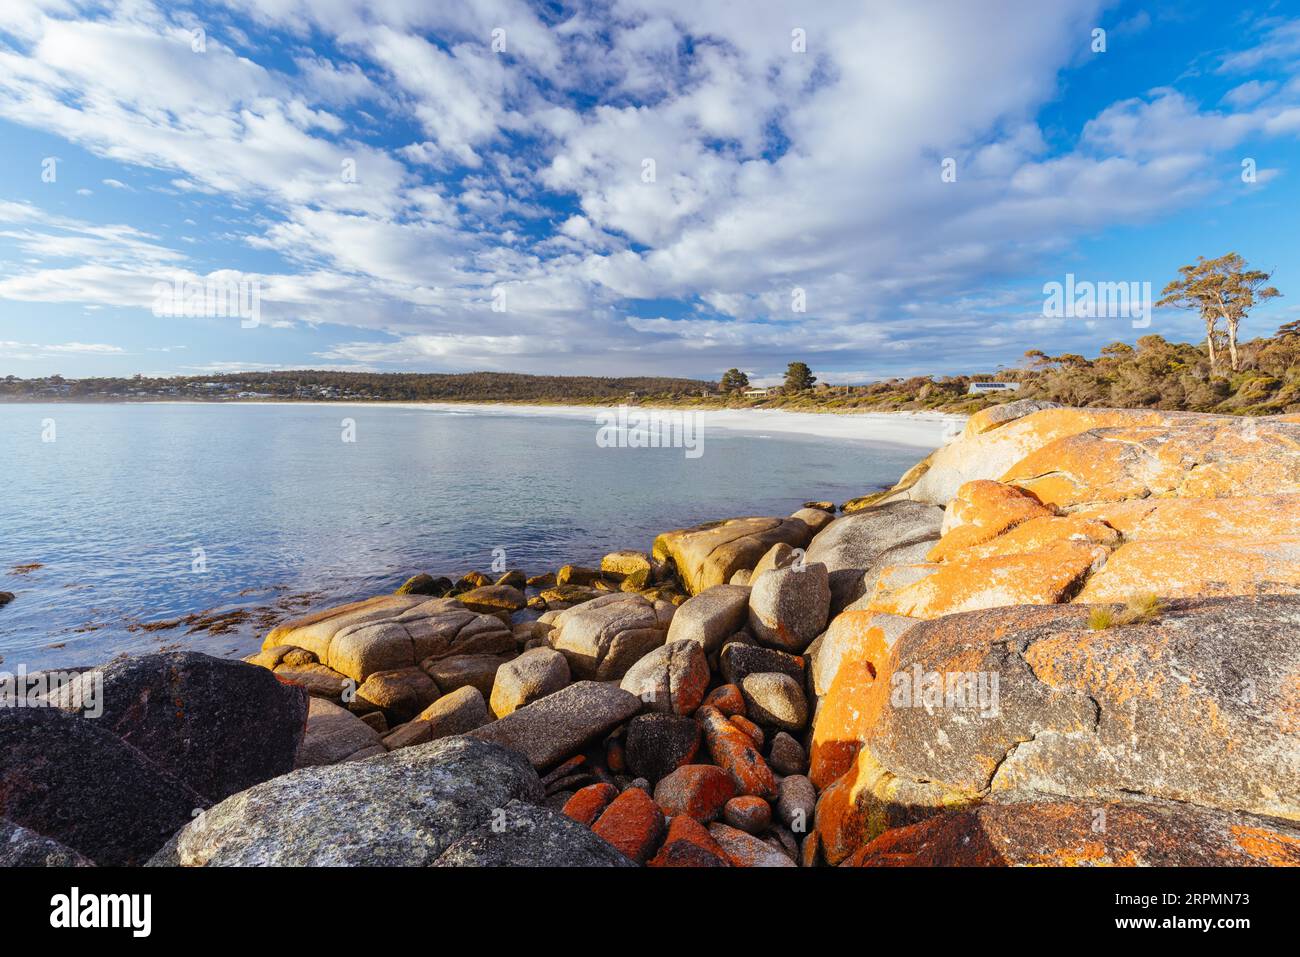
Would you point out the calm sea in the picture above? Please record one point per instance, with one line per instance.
(136, 516)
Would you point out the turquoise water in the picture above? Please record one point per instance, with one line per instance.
(141, 514)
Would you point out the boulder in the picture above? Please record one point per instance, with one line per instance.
(796, 802)
(709, 554)
(625, 563)
(671, 679)
(632, 823)
(423, 584)
(400, 809)
(1085, 833)
(745, 850)
(534, 674)
(658, 744)
(392, 631)
(491, 599)
(725, 698)
(734, 752)
(216, 725)
(985, 420)
(562, 724)
(814, 518)
(333, 734)
(698, 791)
(587, 803)
(854, 548)
(1080, 713)
(604, 637)
(525, 835)
(72, 780)
(787, 755)
(459, 712)
(789, 607)
(514, 578)
(20, 847)
(852, 635)
(711, 617)
(459, 671)
(400, 694)
(776, 700)
(981, 511)
(689, 844)
(1186, 569)
(746, 813)
(321, 681)
(739, 660)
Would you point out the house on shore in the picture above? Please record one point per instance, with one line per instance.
(982, 388)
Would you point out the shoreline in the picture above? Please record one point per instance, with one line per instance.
(924, 429)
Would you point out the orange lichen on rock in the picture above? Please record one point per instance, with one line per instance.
(1188, 569)
(1041, 577)
(689, 844)
(587, 803)
(633, 823)
(733, 751)
(725, 698)
(1038, 533)
(983, 510)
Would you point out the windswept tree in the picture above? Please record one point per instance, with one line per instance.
(733, 380)
(798, 377)
(1219, 289)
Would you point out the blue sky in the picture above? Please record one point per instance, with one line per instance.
(501, 215)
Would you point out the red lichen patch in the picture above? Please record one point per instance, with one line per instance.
(632, 823)
(734, 752)
(754, 732)
(587, 804)
(698, 791)
(689, 844)
(725, 698)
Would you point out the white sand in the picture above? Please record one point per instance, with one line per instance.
(921, 429)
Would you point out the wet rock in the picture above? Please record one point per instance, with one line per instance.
(423, 584)
(563, 723)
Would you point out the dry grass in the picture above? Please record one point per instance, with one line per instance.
(1137, 610)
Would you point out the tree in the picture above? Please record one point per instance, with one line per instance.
(1220, 289)
(798, 377)
(733, 380)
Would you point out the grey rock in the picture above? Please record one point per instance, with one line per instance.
(776, 700)
(456, 671)
(788, 607)
(672, 678)
(742, 847)
(72, 780)
(796, 800)
(217, 725)
(711, 616)
(530, 836)
(402, 809)
(787, 755)
(20, 847)
(562, 724)
(855, 548)
(457, 713)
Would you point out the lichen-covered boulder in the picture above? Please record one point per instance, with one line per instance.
(671, 679)
(709, 554)
(1085, 834)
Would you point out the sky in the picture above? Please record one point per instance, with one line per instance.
(631, 187)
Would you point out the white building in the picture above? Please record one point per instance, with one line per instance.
(979, 388)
